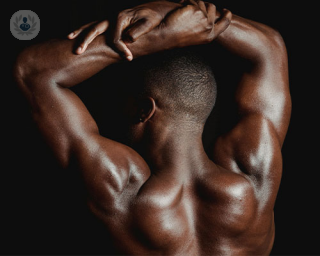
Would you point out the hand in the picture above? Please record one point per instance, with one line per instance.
(195, 23)
(93, 30)
(135, 22)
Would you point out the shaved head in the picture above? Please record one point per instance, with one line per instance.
(180, 81)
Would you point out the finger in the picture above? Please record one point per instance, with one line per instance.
(76, 32)
(141, 27)
(122, 23)
(223, 23)
(122, 47)
(211, 12)
(94, 31)
(202, 7)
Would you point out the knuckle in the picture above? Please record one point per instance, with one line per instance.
(143, 13)
(116, 38)
(209, 27)
(196, 13)
(122, 14)
(148, 23)
(190, 8)
(116, 41)
(212, 6)
(130, 37)
(199, 13)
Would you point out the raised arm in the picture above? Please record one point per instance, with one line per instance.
(44, 72)
(253, 146)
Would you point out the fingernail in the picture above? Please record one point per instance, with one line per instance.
(129, 58)
(71, 35)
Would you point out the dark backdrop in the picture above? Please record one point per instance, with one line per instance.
(41, 210)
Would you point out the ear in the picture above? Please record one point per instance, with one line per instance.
(147, 108)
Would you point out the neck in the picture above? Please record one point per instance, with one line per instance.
(173, 148)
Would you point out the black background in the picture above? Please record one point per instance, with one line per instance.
(41, 210)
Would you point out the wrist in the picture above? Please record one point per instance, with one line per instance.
(108, 49)
(219, 15)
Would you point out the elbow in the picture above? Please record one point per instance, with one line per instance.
(22, 68)
(278, 39)
(271, 50)
(18, 69)
(27, 67)
(275, 44)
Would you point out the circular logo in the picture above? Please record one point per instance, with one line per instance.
(24, 25)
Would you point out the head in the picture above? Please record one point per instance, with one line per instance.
(178, 83)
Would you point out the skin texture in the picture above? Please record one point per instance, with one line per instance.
(165, 195)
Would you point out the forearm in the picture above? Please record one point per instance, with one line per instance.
(55, 62)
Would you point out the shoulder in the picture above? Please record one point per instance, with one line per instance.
(224, 185)
(253, 149)
(110, 170)
(227, 200)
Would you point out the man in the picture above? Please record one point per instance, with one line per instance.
(164, 195)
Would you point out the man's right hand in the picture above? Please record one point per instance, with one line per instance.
(195, 23)
(191, 23)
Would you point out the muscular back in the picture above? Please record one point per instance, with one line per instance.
(210, 211)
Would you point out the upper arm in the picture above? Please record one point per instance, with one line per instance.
(108, 168)
(70, 131)
(253, 146)
(264, 88)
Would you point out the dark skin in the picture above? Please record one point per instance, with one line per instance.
(165, 195)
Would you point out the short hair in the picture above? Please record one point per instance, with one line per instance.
(180, 81)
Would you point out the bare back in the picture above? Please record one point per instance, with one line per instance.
(210, 211)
